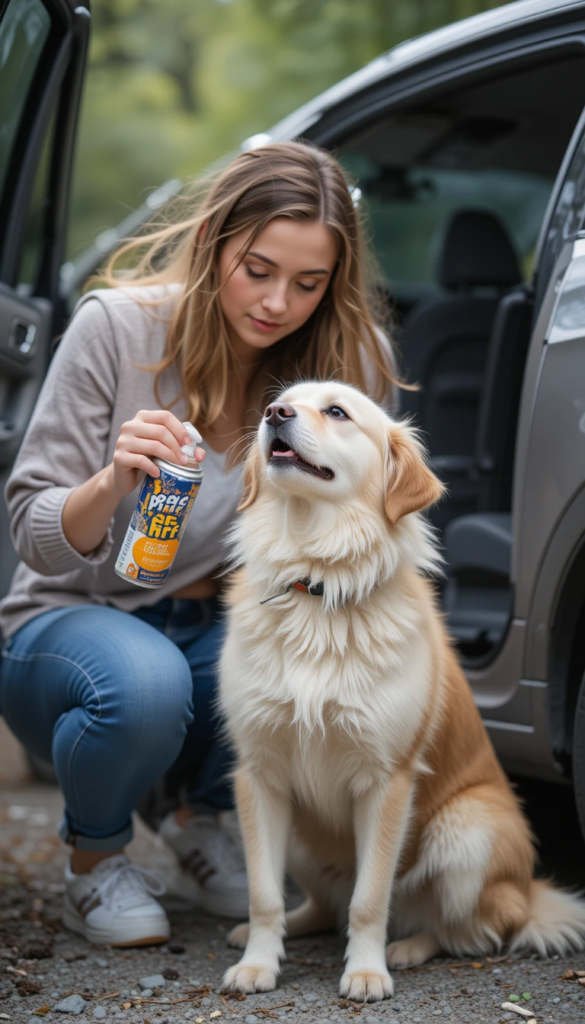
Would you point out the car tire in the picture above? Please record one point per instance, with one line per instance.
(579, 756)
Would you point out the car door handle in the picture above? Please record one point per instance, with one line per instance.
(22, 337)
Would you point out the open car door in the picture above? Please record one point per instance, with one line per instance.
(43, 47)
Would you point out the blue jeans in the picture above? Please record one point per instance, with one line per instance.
(112, 699)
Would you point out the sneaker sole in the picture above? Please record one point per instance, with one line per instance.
(214, 903)
(121, 937)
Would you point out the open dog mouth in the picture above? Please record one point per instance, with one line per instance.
(282, 455)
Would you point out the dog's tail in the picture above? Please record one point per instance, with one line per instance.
(556, 921)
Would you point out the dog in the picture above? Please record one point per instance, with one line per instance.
(362, 760)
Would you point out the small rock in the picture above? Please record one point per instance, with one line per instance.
(311, 997)
(174, 947)
(146, 993)
(152, 981)
(99, 1012)
(170, 974)
(251, 1019)
(73, 1004)
(371, 1020)
(556, 1000)
(102, 963)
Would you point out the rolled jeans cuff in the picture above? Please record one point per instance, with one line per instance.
(94, 844)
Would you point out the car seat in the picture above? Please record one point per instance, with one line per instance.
(444, 347)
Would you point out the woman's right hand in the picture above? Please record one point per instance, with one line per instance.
(153, 433)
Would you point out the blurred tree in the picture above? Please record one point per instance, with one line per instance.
(174, 84)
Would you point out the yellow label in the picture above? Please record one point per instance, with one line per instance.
(154, 555)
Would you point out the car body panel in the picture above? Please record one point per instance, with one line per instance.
(424, 51)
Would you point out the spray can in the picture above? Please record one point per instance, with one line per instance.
(159, 519)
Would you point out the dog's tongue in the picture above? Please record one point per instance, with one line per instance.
(287, 455)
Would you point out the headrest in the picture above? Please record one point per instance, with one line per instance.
(476, 250)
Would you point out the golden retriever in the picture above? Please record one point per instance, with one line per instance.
(362, 758)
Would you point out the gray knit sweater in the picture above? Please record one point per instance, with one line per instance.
(93, 386)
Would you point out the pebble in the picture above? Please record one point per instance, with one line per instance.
(99, 1012)
(251, 1019)
(146, 992)
(102, 963)
(371, 1020)
(73, 1004)
(556, 1000)
(152, 981)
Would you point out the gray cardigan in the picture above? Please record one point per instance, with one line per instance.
(93, 386)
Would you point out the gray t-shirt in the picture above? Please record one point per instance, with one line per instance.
(93, 386)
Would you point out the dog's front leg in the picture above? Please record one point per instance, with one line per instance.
(380, 820)
(265, 817)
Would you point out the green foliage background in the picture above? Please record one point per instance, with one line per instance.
(174, 84)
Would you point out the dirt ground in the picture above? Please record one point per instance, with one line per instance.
(41, 965)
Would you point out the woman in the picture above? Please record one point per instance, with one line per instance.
(262, 284)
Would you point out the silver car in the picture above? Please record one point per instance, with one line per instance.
(467, 148)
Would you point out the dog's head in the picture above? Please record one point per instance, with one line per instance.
(328, 442)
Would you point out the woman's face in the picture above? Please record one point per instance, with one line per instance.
(278, 284)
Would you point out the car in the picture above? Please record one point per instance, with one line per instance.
(466, 147)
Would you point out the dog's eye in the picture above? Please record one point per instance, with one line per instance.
(336, 412)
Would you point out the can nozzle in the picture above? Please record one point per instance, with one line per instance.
(195, 439)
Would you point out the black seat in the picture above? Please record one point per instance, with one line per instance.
(477, 596)
(445, 343)
(500, 402)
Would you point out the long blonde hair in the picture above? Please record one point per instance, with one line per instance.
(291, 179)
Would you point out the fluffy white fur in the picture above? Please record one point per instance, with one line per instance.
(361, 754)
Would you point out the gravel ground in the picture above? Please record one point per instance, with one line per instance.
(41, 965)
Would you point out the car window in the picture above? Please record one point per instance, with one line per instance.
(33, 238)
(567, 217)
(408, 209)
(24, 29)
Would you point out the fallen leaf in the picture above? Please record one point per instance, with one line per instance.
(517, 1009)
(580, 974)
(199, 1020)
(513, 998)
(216, 1013)
(126, 1006)
(477, 965)
(526, 995)
(567, 975)
(581, 981)
(17, 970)
(42, 1010)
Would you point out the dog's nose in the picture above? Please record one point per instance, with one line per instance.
(278, 412)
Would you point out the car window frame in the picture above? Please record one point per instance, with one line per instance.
(58, 80)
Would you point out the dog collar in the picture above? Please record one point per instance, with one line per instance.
(315, 589)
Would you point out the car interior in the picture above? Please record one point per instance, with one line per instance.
(455, 190)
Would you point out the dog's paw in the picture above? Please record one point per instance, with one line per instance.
(238, 936)
(411, 952)
(248, 978)
(366, 986)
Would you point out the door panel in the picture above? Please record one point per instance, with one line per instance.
(43, 46)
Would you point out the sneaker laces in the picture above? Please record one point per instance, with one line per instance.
(129, 882)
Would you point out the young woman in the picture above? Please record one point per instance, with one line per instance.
(263, 283)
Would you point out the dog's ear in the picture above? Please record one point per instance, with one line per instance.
(411, 486)
(253, 471)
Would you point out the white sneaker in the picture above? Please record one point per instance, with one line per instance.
(113, 904)
(211, 855)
